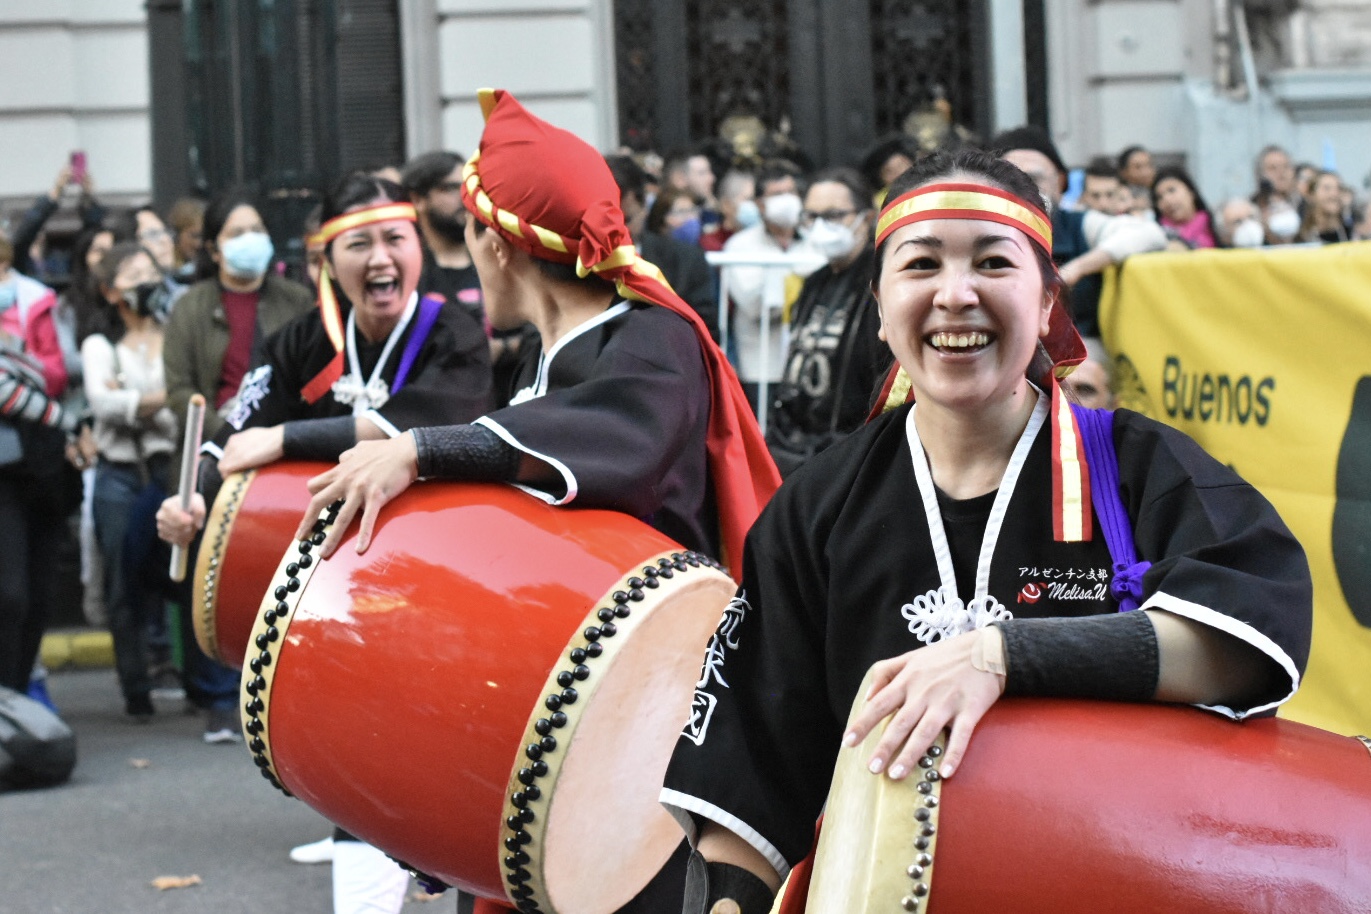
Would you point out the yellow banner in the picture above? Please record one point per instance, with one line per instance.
(1264, 358)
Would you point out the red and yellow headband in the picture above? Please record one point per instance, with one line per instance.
(965, 201)
(382, 212)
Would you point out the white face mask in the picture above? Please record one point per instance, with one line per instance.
(831, 239)
(783, 210)
(1248, 234)
(1284, 223)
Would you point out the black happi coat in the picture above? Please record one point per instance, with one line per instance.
(449, 381)
(838, 563)
(620, 408)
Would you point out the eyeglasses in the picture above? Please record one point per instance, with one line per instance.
(808, 217)
(155, 234)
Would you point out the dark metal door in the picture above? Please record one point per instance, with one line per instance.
(282, 96)
(828, 75)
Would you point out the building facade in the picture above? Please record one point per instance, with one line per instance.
(175, 96)
(75, 78)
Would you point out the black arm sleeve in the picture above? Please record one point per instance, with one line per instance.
(92, 212)
(35, 217)
(1112, 657)
(709, 883)
(211, 480)
(318, 439)
(468, 452)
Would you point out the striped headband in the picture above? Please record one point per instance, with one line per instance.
(965, 201)
(382, 212)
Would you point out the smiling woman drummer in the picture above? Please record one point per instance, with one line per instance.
(370, 362)
(948, 544)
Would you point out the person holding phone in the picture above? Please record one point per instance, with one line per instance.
(31, 224)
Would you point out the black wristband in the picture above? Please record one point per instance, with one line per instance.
(1111, 657)
(470, 452)
(707, 884)
(318, 439)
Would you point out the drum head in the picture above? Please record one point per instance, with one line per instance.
(605, 793)
(876, 847)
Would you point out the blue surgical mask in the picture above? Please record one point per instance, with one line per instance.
(688, 231)
(749, 214)
(9, 294)
(248, 255)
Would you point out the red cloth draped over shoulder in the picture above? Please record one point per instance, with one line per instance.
(551, 194)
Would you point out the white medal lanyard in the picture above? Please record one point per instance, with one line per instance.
(943, 614)
(375, 393)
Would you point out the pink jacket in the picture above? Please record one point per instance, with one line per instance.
(31, 320)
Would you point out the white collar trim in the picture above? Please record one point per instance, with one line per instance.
(539, 386)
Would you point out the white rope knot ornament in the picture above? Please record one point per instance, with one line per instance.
(350, 391)
(939, 615)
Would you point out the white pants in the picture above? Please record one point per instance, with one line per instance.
(92, 564)
(366, 881)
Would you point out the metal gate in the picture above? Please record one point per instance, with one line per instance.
(828, 75)
(282, 96)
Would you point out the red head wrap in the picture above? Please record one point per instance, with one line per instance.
(550, 194)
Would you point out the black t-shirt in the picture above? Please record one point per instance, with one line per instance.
(965, 521)
(833, 366)
(459, 285)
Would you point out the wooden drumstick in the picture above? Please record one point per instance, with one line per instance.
(190, 466)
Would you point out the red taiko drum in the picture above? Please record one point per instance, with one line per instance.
(491, 693)
(1071, 807)
(252, 520)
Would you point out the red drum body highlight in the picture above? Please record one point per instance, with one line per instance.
(250, 523)
(1074, 806)
(491, 693)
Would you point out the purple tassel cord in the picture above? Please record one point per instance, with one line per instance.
(1097, 434)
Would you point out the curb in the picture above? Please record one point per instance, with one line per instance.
(77, 648)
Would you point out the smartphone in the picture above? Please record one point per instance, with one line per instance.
(78, 167)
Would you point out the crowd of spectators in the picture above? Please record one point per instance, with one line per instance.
(155, 307)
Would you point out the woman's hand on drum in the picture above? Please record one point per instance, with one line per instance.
(179, 527)
(252, 448)
(946, 684)
(366, 477)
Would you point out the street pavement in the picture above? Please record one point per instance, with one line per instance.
(152, 800)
